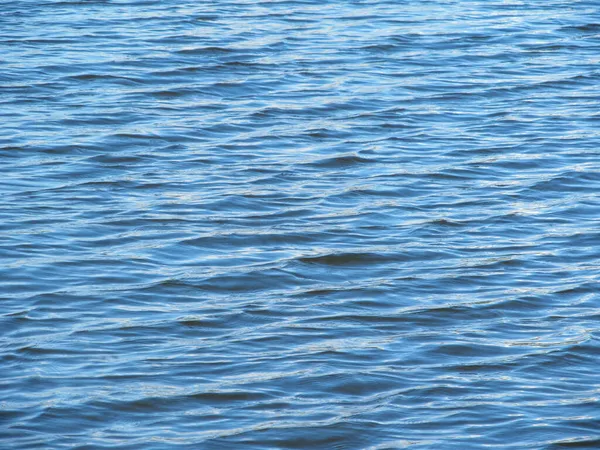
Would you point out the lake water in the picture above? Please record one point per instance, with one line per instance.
(299, 224)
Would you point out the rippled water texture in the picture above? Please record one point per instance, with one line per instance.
(299, 224)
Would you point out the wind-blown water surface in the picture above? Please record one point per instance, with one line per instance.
(299, 224)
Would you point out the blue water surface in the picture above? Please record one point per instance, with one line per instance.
(299, 224)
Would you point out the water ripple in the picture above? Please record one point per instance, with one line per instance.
(292, 224)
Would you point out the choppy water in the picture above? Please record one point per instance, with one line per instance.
(300, 224)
